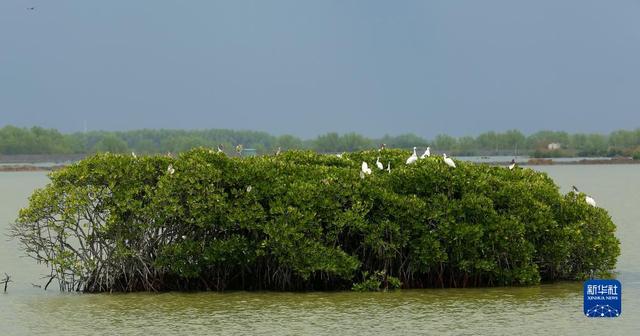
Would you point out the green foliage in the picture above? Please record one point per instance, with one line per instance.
(111, 143)
(376, 281)
(302, 220)
(37, 140)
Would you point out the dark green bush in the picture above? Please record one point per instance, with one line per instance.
(306, 221)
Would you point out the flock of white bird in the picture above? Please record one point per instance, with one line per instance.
(448, 161)
(365, 170)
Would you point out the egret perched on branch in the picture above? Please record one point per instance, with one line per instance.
(513, 164)
(448, 161)
(379, 164)
(365, 168)
(170, 169)
(220, 148)
(413, 158)
(588, 199)
(426, 154)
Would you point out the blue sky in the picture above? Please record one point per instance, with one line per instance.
(310, 67)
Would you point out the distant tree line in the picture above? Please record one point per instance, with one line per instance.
(38, 140)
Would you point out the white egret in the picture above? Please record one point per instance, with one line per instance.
(448, 161)
(220, 148)
(379, 164)
(426, 154)
(413, 158)
(249, 188)
(513, 164)
(588, 199)
(278, 151)
(365, 168)
(134, 155)
(170, 169)
(389, 167)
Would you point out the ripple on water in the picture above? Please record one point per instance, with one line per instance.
(547, 309)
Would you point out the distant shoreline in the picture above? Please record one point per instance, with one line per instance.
(29, 168)
(33, 167)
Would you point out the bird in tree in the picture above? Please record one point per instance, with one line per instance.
(413, 158)
(513, 164)
(448, 161)
(426, 154)
(365, 168)
(588, 199)
(379, 164)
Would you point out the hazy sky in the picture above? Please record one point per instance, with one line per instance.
(309, 67)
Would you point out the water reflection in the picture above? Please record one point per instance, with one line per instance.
(545, 309)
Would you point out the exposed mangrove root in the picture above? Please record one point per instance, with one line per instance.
(301, 221)
(6, 281)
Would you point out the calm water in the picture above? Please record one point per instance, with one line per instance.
(545, 309)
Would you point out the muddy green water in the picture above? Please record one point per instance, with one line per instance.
(546, 309)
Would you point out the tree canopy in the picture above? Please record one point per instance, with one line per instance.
(37, 140)
(302, 220)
